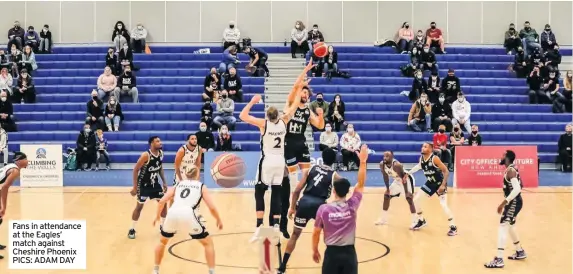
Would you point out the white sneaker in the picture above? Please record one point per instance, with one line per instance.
(255, 235)
(413, 225)
(381, 221)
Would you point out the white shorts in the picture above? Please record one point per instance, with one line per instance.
(397, 187)
(271, 170)
(186, 219)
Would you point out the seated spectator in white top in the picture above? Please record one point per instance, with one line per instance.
(45, 40)
(6, 81)
(106, 83)
(127, 85)
(434, 87)
(405, 38)
(548, 40)
(328, 139)
(529, 38)
(350, 147)
(234, 86)
(512, 41)
(4, 145)
(435, 39)
(138, 36)
(462, 110)
(16, 36)
(315, 35)
(29, 60)
(120, 35)
(299, 39)
(32, 39)
(225, 109)
(231, 36)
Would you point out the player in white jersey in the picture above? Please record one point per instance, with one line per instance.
(187, 195)
(188, 155)
(8, 174)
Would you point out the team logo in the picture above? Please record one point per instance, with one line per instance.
(41, 153)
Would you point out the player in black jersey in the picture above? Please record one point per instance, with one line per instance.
(509, 209)
(436, 182)
(145, 182)
(316, 185)
(8, 175)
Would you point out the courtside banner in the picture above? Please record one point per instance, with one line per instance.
(45, 167)
(478, 166)
(251, 159)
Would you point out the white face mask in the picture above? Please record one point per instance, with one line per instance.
(139, 27)
(125, 47)
(423, 100)
(3, 99)
(203, 129)
(112, 102)
(328, 129)
(224, 131)
(119, 27)
(460, 100)
(426, 50)
(442, 100)
(45, 29)
(297, 26)
(337, 100)
(350, 130)
(315, 30)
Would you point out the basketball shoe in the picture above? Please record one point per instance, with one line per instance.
(453, 231)
(131, 234)
(495, 263)
(518, 255)
(421, 223)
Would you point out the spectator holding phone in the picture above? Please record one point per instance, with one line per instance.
(101, 150)
(420, 114)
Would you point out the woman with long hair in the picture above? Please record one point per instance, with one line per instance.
(299, 39)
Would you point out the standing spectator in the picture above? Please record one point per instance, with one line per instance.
(230, 60)
(25, 92)
(551, 88)
(120, 35)
(405, 39)
(45, 40)
(4, 145)
(113, 114)
(475, 137)
(419, 41)
(457, 138)
(420, 114)
(225, 109)
(138, 36)
(428, 60)
(536, 95)
(336, 112)
(32, 39)
(553, 59)
(234, 86)
(86, 148)
(434, 87)
(16, 36)
(567, 90)
(328, 139)
(207, 114)
(95, 111)
(315, 35)
(224, 140)
(299, 37)
(6, 113)
(231, 36)
(350, 147)
(548, 40)
(6, 81)
(434, 38)
(419, 86)
(442, 114)
(330, 61)
(565, 146)
(462, 110)
(512, 41)
(106, 83)
(520, 63)
(29, 60)
(258, 60)
(440, 141)
(205, 140)
(125, 57)
(111, 61)
(529, 38)
(451, 86)
(101, 145)
(127, 84)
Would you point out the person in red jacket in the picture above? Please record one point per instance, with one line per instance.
(440, 141)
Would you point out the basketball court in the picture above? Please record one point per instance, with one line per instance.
(544, 226)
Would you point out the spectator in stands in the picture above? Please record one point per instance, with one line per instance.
(434, 87)
(225, 109)
(520, 63)
(568, 86)
(101, 145)
(462, 110)
(442, 114)
(127, 84)
(318, 64)
(299, 37)
(419, 86)
(529, 38)
(29, 59)
(553, 59)
(419, 41)
(231, 36)
(25, 91)
(350, 147)
(106, 83)
(335, 112)
(420, 114)
(213, 76)
(6, 113)
(234, 86)
(475, 137)
(113, 114)
(534, 80)
(125, 57)
(440, 141)
(4, 60)
(328, 139)
(548, 40)
(211, 91)
(315, 35)
(207, 114)
(551, 88)
(258, 59)
(410, 69)
(205, 140)
(319, 103)
(138, 36)
(536, 58)
(565, 147)
(405, 39)
(120, 35)
(428, 60)
(16, 59)
(230, 60)
(512, 41)
(16, 36)
(451, 86)
(434, 39)
(6, 81)
(32, 39)
(4, 145)
(94, 111)
(224, 140)
(457, 138)
(330, 61)
(111, 61)
(86, 148)
(45, 40)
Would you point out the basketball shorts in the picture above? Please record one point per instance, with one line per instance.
(271, 170)
(306, 209)
(431, 188)
(149, 191)
(397, 187)
(185, 219)
(340, 260)
(511, 210)
(296, 151)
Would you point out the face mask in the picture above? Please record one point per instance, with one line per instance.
(45, 29)
(16, 26)
(511, 28)
(297, 26)
(407, 26)
(87, 130)
(414, 51)
(224, 96)
(423, 100)
(30, 31)
(442, 100)
(460, 100)
(315, 30)
(433, 26)
(420, 35)
(112, 102)
(441, 130)
(319, 100)
(547, 30)
(527, 28)
(337, 100)
(474, 131)
(203, 129)
(519, 49)
(426, 50)
(223, 131)
(119, 26)
(418, 76)
(456, 129)
(350, 130)
(25, 75)
(127, 71)
(328, 129)
(139, 27)
(231, 26)
(551, 75)
(3, 99)
(125, 47)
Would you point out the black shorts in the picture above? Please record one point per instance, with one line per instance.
(340, 260)
(511, 210)
(296, 151)
(151, 191)
(306, 209)
(430, 188)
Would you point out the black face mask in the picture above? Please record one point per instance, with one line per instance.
(224, 96)
(30, 31)
(441, 130)
(547, 29)
(511, 28)
(433, 27)
(474, 131)
(407, 26)
(127, 72)
(231, 26)
(527, 28)
(94, 97)
(320, 100)
(456, 129)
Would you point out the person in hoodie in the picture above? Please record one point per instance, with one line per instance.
(428, 60)
(106, 83)
(32, 39)
(94, 111)
(86, 148)
(529, 38)
(224, 140)
(511, 41)
(234, 86)
(553, 59)
(565, 148)
(315, 35)
(120, 35)
(299, 39)
(113, 114)
(4, 145)
(410, 69)
(405, 38)
(6, 113)
(101, 150)
(15, 58)
(434, 88)
(536, 94)
(462, 111)
(258, 58)
(138, 36)
(225, 109)
(536, 59)
(111, 61)
(125, 57)
(419, 86)
(520, 63)
(442, 114)
(16, 36)
(24, 92)
(207, 114)
(230, 60)
(205, 140)
(451, 86)
(232, 36)
(350, 143)
(420, 114)
(548, 40)
(45, 40)
(127, 85)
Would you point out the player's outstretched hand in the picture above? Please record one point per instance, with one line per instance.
(309, 66)
(363, 156)
(133, 192)
(256, 99)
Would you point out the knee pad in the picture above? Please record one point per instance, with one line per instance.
(260, 190)
(276, 200)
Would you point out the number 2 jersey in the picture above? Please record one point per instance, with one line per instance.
(272, 140)
(188, 194)
(431, 171)
(319, 182)
(150, 171)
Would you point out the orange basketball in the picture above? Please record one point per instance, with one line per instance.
(320, 49)
(228, 170)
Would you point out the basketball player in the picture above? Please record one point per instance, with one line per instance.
(509, 209)
(402, 183)
(436, 182)
(317, 185)
(188, 154)
(145, 182)
(8, 174)
(187, 195)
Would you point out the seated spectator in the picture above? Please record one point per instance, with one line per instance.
(299, 37)
(6, 113)
(568, 86)
(328, 139)
(111, 61)
(127, 85)
(32, 39)
(86, 148)
(536, 95)
(434, 87)
(138, 36)
(551, 89)
(16, 36)
(211, 92)
(113, 114)
(120, 36)
(234, 86)
(4, 60)
(317, 64)
(6, 81)
(231, 36)
(451, 86)
(207, 114)
(350, 147)
(462, 110)
(45, 40)
(529, 38)
(4, 146)
(106, 83)
(428, 60)
(213, 76)
(548, 40)
(205, 140)
(419, 86)
(441, 150)
(408, 70)
(15, 59)
(565, 146)
(434, 39)
(335, 112)
(29, 60)
(553, 59)
(25, 92)
(258, 60)
(520, 63)
(315, 35)
(95, 111)
(225, 109)
(457, 138)
(330, 61)
(230, 60)
(512, 41)
(475, 137)
(319, 103)
(419, 41)
(536, 58)
(421, 114)
(101, 145)
(125, 57)
(442, 114)
(405, 38)
(224, 140)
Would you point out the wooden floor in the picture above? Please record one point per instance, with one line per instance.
(544, 226)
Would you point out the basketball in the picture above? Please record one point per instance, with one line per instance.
(320, 49)
(228, 170)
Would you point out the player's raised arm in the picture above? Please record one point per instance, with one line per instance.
(211, 205)
(288, 112)
(299, 83)
(177, 164)
(248, 118)
(363, 156)
(144, 158)
(437, 162)
(14, 174)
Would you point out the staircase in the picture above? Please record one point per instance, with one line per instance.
(284, 70)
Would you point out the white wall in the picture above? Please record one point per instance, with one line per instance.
(271, 21)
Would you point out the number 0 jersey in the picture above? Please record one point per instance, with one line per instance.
(319, 182)
(149, 171)
(188, 194)
(272, 140)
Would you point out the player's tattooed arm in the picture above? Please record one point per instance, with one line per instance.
(512, 178)
(140, 162)
(385, 176)
(14, 174)
(290, 110)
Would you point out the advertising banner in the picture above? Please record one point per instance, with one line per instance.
(45, 167)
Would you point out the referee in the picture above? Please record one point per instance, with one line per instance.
(338, 220)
